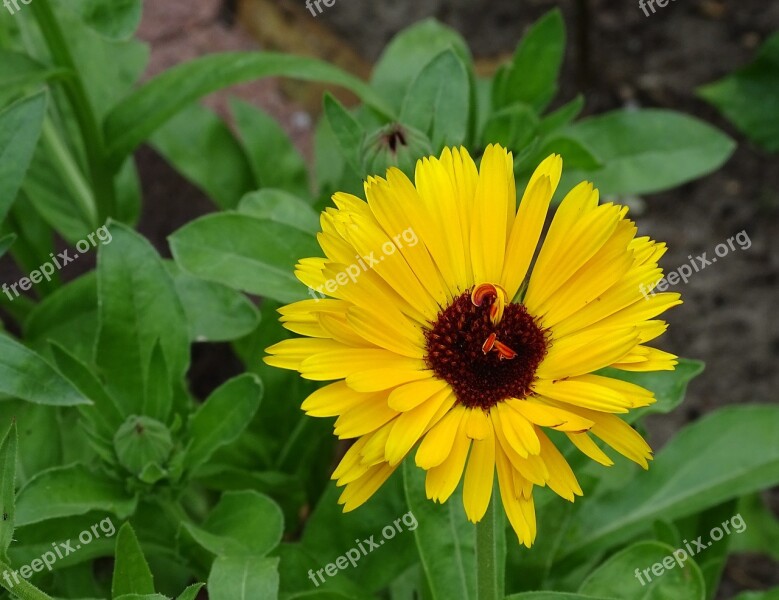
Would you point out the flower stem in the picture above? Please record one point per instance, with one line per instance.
(23, 590)
(101, 175)
(487, 581)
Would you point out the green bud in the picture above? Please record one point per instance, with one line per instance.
(142, 441)
(394, 145)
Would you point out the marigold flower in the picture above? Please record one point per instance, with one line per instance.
(438, 345)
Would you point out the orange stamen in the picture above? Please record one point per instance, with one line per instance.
(504, 352)
(499, 298)
(489, 343)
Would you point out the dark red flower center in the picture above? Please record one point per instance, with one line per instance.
(486, 349)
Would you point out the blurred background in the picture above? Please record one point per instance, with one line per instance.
(616, 57)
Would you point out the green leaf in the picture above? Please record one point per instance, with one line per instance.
(7, 488)
(331, 534)
(296, 561)
(552, 596)
(104, 412)
(619, 576)
(669, 387)
(25, 374)
(749, 96)
(136, 117)
(273, 159)
(408, 53)
(532, 76)
(33, 541)
(20, 128)
(222, 418)
(445, 540)
(646, 151)
(34, 243)
(158, 397)
(767, 595)
(712, 560)
(131, 572)
(762, 534)
(575, 154)
(57, 187)
(40, 437)
(244, 523)
(512, 127)
(6, 242)
(688, 475)
(138, 308)
(215, 313)
(562, 116)
(244, 578)
(253, 255)
(348, 132)
(203, 149)
(17, 70)
(281, 207)
(438, 101)
(68, 491)
(115, 19)
(107, 68)
(191, 592)
(330, 168)
(68, 317)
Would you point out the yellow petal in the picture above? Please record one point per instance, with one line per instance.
(411, 395)
(549, 416)
(409, 426)
(586, 352)
(442, 480)
(529, 223)
(477, 424)
(490, 217)
(335, 399)
(586, 391)
(337, 364)
(518, 431)
(372, 380)
(584, 443)
(397, 334)
(364, 419)
(520, 511)
(479, 475)
(561, 478)
(359, 491)
(438, 443)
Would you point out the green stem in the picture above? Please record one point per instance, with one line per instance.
(100, 174)
(68, 169)
(487, 579)
(23, 590)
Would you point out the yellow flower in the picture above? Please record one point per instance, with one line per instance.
(433, 340)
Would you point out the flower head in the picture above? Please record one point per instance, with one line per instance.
(447, 341)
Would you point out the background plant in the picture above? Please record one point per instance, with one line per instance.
(232, 489)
